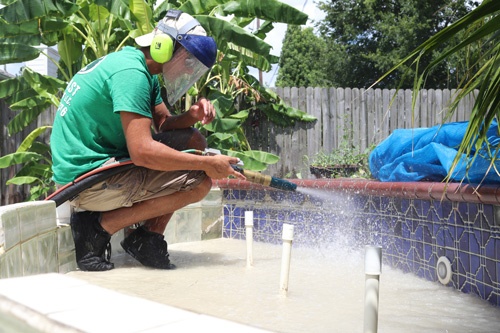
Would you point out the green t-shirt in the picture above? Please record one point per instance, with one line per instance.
(87, 128)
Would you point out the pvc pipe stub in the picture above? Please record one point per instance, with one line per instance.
(287, 232)
(443, 270)
(373, 260)
(248, 218)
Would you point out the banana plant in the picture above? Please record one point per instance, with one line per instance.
(84, 30)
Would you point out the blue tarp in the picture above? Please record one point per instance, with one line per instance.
(427, 154)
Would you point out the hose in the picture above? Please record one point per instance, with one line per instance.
(71, 190)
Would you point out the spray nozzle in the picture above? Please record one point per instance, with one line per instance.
(266, 180)
(256, 177)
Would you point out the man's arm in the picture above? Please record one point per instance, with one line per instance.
(146, 152)
(202, 111)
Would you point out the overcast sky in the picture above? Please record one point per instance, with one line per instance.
(276, 36)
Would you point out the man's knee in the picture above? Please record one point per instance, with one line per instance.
(182, 139)
(204, 187)
(198, 140)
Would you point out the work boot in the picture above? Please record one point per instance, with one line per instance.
(92, 242)
(149, 248)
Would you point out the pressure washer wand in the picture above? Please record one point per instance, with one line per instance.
(258, 178)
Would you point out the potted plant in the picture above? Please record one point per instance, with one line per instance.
(346, 161)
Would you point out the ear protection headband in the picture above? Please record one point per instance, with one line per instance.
(163, 43)
(162, 48)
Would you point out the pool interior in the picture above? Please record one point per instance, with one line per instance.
(416, 225)
(325, 294)
(413, 232)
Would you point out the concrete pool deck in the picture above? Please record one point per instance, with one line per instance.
(58, 303)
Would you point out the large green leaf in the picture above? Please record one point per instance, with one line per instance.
(35, 169)
(251, 161)
(24, 118)
(272, 10)
(196, 7)
(43, 83)
(97, 13)
(223, 103)
(29, 103)
(26, 10)
(18, 158)
(25, 28)
(267, 158)
(30, 139)
(221, 140)
(225, 32)
(28, 40)
(223, 125)
(25, 92)
(116, 7)
(40, 148)
(53, 24)
(46, 86)
(9, 87)
(143, 14)
(14, 53)
(69, 50)
(22, 180)
(248, 57)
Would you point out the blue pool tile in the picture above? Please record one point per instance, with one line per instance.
(474, 243)
(427, 252)
(296, 198)
(463, 262)
(474, 215)
(474, 263)
(488, 217)
(449, 239)
(278, 196)
(440, 237)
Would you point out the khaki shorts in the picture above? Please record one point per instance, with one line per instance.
(135, 185)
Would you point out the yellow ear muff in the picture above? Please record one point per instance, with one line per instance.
(161, 48)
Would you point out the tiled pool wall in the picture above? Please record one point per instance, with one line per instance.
(415, 223)
(32, 243)
(35, 237)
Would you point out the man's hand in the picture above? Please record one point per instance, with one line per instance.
(203, 111)
(219, 166)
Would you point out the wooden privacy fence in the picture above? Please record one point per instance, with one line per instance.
(361, 117)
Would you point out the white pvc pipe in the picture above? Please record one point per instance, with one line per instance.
(373, 269)
(249, 236)
(285, 258)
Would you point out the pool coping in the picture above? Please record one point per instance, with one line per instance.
(456, 192)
